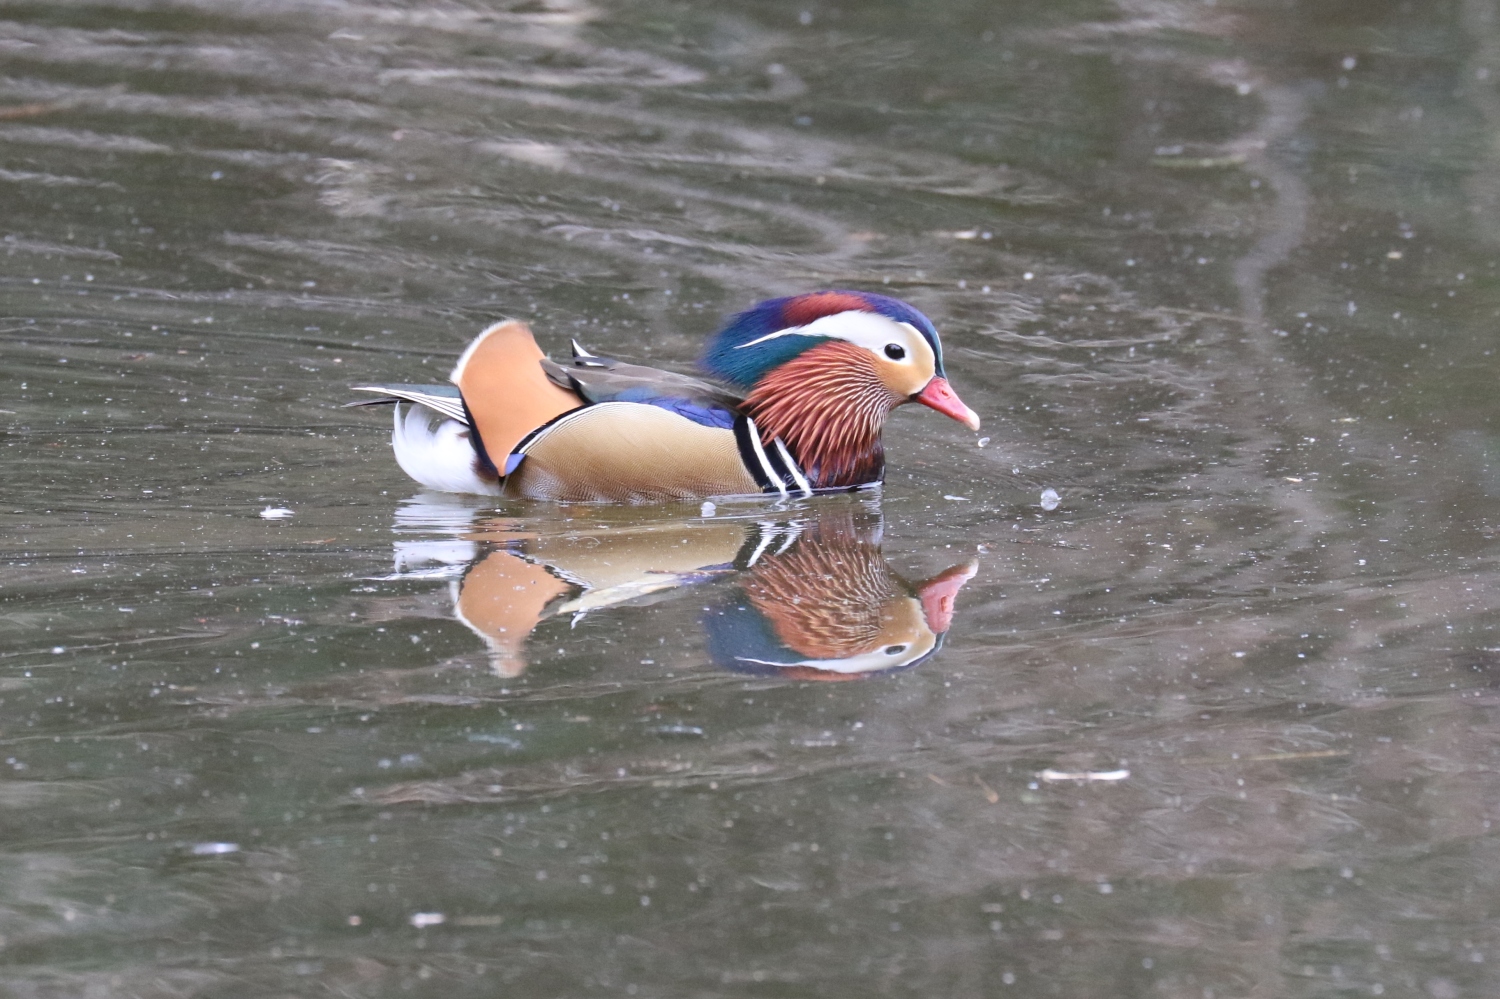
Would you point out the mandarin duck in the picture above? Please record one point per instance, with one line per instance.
(805, 598)
(800, 391)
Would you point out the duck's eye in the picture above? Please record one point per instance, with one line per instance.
(894, 650)
(895, 351)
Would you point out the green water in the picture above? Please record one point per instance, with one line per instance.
(1219, 722)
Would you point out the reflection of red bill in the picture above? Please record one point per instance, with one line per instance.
(940, 396)
(939, 592)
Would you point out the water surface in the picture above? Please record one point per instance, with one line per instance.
(1218, 722)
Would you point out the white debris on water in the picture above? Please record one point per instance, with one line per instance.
(981, 442)
(275, 513)
(708, 509)
(956, 499)
(1106, 775)
(1050, 499)
(422, 920)
(677, 730)
(214, 849)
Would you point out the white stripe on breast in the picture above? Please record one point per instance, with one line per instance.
(791, 466)
(760, 456)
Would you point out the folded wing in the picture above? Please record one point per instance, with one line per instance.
(604, 379)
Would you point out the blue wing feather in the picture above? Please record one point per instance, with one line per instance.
(708, 416)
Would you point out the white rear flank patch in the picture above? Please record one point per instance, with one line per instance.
(436, 451)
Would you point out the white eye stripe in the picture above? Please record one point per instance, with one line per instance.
(865, 329)
(789, 331)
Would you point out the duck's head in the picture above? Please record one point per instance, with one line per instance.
(867, 350)
(826, 606)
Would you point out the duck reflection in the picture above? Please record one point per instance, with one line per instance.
(807, 597)
(825, 605)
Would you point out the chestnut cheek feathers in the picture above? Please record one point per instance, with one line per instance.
(902, 380)
(939, 395)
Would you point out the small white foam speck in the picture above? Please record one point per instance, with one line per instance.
(214, 849)
(422, 920)
(1050, 499)
(275, 513)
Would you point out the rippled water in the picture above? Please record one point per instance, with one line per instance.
(1220, 722)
